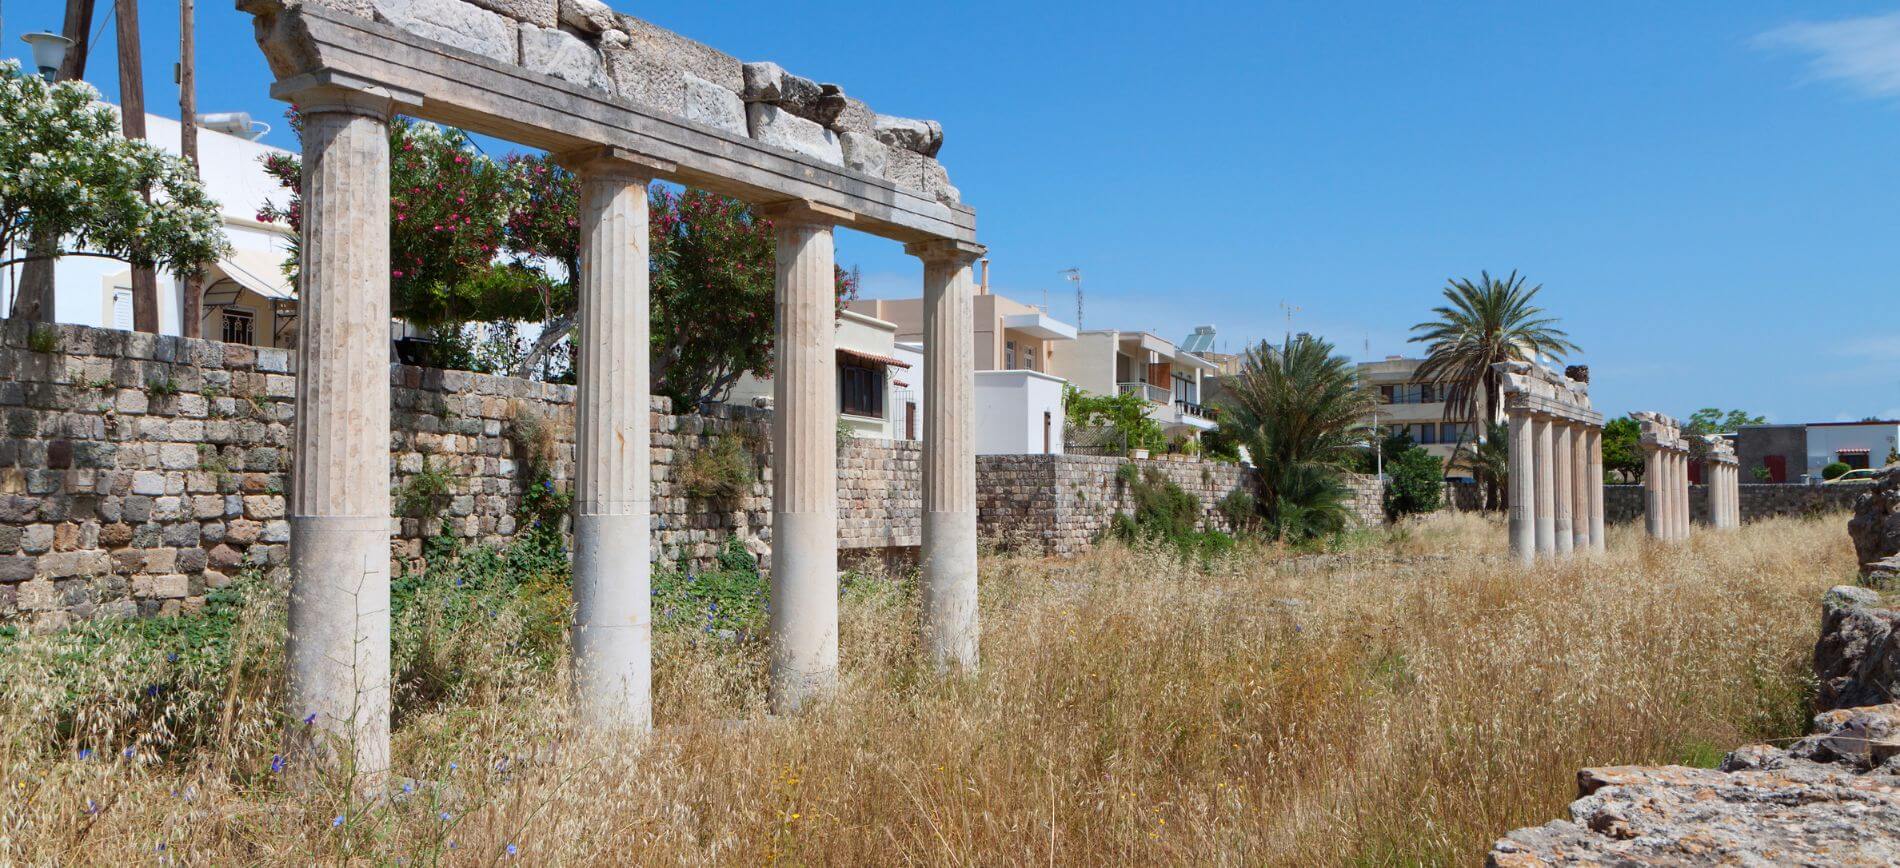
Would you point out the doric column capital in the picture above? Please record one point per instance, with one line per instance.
(946, 250)
(605, 161)
(327, 92)
(804, 211)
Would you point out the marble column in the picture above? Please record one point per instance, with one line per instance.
(1679, 489)
(1523, 487)
(1656, 503)
(338, 645)
(804, 616)
(1595, 489)
(1563, 495)
(1580, 488)
(1734, 495)
(949, 576)
(613, 476)
(1546, 486)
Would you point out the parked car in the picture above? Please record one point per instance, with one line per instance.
(1864, 474)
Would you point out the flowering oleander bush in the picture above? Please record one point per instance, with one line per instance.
(67, 173)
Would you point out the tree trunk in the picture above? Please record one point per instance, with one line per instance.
(132, 122)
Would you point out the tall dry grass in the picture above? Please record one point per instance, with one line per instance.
(1404, 702)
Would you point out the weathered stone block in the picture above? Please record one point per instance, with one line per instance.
(923, 137)
(644, 81)
(452, 23)
(588, 16)
(662, 47)
(564, 56)
(854, 117)
(771, 125)
(540, 13)
(864, 153)
(714, 106)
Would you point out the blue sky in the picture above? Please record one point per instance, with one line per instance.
(1707, 190)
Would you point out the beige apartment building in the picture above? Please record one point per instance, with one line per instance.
(1006, 334)
(1110, 361)
(1407, 403)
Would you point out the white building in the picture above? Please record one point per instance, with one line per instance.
(877, 393)
(1109, 361)
(247, 298)
(1856, 444)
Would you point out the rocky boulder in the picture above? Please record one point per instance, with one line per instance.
(1875, 527)
(1857, 658)
(1832, 798)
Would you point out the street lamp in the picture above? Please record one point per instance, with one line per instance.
(49, 51)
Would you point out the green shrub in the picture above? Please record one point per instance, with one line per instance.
(43, 339)
(1834, 471)
(1241, 510)
(1415, 483)
(726, 602)
(478, 618)
(1164, 513)
(723, 469)
(1124, 414)
(425, 494)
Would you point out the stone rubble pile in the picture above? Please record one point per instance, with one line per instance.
(1830, 798)
(588, 44)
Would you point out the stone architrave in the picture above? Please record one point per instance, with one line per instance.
(613, 482)
(338, 646)
(949, 588)
(1556, 500)
(1563, 494)
(804, 620)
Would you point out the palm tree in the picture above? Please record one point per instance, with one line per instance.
(1299, 410)
(1481, 324)
(1490, 464)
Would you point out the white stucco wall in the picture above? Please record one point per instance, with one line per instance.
(1010, 413)
(1826, 441)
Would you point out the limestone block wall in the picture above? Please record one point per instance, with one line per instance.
(1061, 504)
(588, 45)
(1758, 500)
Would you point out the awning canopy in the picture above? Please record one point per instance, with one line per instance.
(260, 271)
(872, 358)
(1853, 452)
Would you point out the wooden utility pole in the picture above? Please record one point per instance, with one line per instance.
(33, 300)
(193, 278)
(132, 122)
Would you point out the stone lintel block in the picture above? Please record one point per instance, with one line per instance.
(453, 23)
(564, 56)
(540, 13)
(663, 47)
(714, 106)
(771, 125)
(639, 79)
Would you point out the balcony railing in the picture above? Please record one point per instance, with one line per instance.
(1189, 408)
(1154, 393)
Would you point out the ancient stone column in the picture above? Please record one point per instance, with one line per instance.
(1580, 487)
(1656, 504)
(338, 646)
(949, 580)
(804, 616)
(1546, 486)
(612, 642)
(1595, 489)
(1679, 489)
(1563, 496)
(1523, 482)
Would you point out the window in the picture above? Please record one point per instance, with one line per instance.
(1009, 356)
(1411, 393)
(238, 327)
(1452, 432)
(122, 309)
(860, 390)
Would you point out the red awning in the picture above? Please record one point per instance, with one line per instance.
(1852, 452)
(872, 358)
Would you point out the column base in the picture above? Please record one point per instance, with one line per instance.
(804, 618)
(950, 621)
(613, 620)
(338, 647)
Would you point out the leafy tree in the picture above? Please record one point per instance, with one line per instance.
(1298, 410)
(1490, 463)
(1710, 420)
(1125, 414)
(1483, 323)
(1623, 448)
(1415, 484)
(66, 173)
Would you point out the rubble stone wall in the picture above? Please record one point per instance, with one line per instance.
(1623, 503)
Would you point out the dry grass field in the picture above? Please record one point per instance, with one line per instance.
(1406, 700)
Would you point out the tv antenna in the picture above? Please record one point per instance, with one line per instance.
(1290, 310)
(1074, 275)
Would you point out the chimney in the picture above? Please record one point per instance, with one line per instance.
(983, 287)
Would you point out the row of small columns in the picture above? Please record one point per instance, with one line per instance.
(1556, 495)
(339, 683)
(1665, 489)
(1722, 475)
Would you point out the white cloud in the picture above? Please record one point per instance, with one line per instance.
(1885, 348)
(1862, 53)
